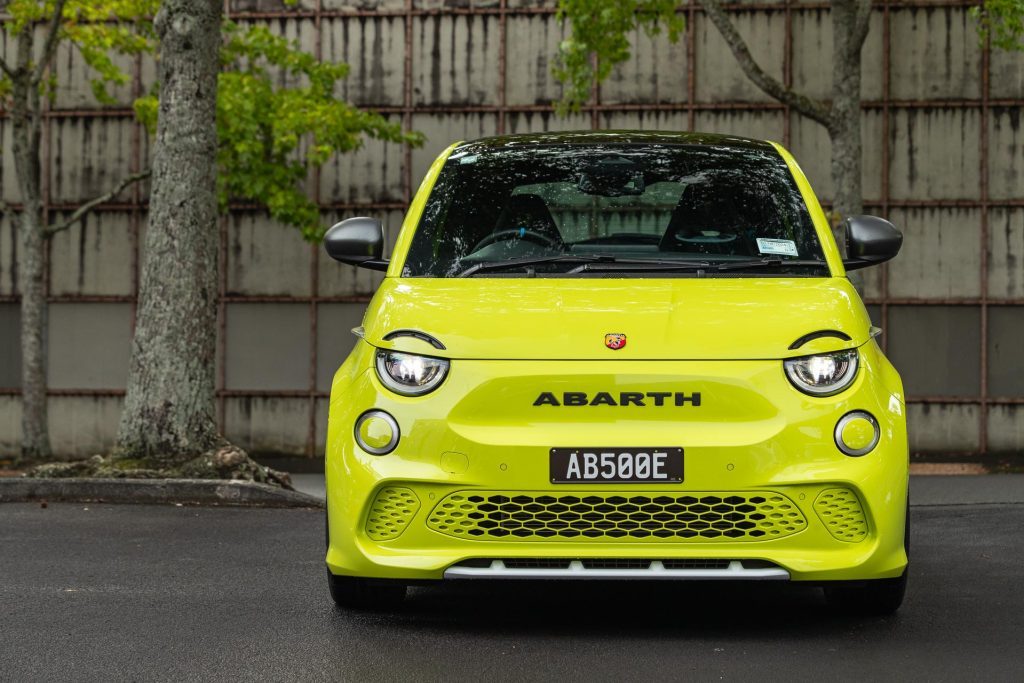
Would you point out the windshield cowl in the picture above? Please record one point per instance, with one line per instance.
(583, 264)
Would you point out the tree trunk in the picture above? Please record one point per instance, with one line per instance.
(35, 440)
(169, 406)
(25, 120)
(844, 129)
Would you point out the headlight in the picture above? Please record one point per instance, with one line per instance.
(823, 375)
(409, 374)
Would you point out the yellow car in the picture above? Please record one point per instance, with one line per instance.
(616, 356)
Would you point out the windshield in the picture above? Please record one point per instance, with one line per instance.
(617, 210)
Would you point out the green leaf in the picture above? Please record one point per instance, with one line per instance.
(599, 40)
(279, 117)
(98, 29)
(1002, 21)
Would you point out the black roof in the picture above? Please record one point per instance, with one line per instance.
(619, 137)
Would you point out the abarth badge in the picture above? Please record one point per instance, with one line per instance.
(615, 341)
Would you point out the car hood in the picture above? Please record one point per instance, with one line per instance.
(568, 319)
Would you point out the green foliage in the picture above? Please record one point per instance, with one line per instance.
(1002, 21)
(97, 40)
(262, 125)
(277, 117)
(98, 29)
(277, 113)
(600, 40)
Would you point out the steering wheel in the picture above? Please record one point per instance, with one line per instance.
(518, 233)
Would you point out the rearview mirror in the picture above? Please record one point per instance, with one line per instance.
(611, 177)
(357, 242)
(869, 241)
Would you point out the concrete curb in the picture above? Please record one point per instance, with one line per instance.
(153, 491)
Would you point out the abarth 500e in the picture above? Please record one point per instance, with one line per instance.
(616, 355)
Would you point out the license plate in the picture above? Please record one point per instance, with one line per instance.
(616, 465)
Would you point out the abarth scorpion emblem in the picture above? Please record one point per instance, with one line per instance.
(615, 341)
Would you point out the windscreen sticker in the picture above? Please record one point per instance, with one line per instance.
(783, 247)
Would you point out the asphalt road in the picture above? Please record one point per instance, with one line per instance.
(168, 593)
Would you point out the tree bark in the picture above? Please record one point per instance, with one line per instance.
(26, 134)
(169, 405)
(850, 19)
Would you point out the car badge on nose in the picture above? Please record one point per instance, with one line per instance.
(615, 341)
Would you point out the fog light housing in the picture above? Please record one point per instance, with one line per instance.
(377, 432)
(857, 433)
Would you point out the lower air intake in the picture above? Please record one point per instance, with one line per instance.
(391, 512)
(841, 513)
(616, 516)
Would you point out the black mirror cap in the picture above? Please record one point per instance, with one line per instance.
(357, 242)
(870, 240)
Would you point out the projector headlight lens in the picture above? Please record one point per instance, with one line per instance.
(409, 374)
(824, 374)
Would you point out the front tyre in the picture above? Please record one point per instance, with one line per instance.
(350, 592)
(879, 597)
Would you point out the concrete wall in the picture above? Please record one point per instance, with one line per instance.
(944, 158)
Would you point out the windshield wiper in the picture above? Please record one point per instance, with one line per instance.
(512, 264)
(607, 262)
(640, 265)
(768, 262)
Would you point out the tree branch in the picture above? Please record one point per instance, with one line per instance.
(6, 69)
(863, 22)
(50, 46)
(814, 109)
(84, 209)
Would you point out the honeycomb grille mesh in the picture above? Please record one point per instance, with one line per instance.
(842, 515)
(391, 512)
(616, 516)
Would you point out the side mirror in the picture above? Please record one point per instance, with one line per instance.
(357, 242)
(869, 241)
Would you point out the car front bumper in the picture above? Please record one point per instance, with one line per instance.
(766, 493)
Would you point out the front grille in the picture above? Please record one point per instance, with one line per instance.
(535, 563)
(698, 564)
(841, 513)
(391, 512)
(616, 563)
(616, 516)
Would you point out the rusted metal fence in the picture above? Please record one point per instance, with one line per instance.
(944, 157)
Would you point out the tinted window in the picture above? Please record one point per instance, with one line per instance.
(624, 205)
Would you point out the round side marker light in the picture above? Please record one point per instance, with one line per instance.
(376, 432)
(857, 433)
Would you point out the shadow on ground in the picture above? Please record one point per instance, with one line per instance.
(595, 608)
(166, 593)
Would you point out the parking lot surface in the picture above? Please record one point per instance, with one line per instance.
(103, 592)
